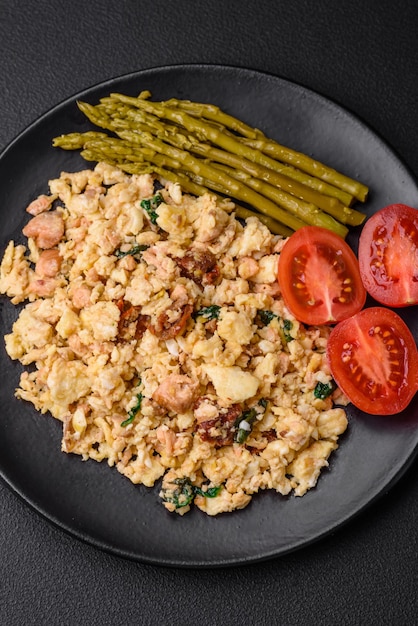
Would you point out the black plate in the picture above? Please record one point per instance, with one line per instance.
(94, 502)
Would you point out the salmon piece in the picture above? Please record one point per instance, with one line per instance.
(168, 438)
(49, 263)
(43, 287)
(176, 393)
(46, 229)
(40, 204)
(81, 296)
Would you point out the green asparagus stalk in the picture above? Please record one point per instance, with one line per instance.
(173, 135)
(330, 205)
(214, 113)
(76, 141)
(273, 225)
(310, 211)
(310, 166)
(258, 141)
(203, 153)
(227, 142)
(307, 211)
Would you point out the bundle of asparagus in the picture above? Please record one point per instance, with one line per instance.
(203, 148)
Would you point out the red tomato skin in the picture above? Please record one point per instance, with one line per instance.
(356, 347)
(329, 259)
(388, 256)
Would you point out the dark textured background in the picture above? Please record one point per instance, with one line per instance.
(363, 58)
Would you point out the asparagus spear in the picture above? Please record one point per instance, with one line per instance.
(142, 125)
(173, 135)
(310, 166)
(231, 144)
(307, 211)
(330, 205)
(76, 141)
(311, 213)
(212, 112)
(256, 139)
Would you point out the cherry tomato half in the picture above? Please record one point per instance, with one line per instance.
(388, 255)
(319, 277)
(374, 361)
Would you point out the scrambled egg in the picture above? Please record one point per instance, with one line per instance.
(160, 340)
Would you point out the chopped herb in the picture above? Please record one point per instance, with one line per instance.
(211, 492)
(266, 316)
(132, 251)
(244, 423)
(185, 493)
(264, 403)
(208, 313)
(246, 420)
(323, 390)
(132, 413)
(150, 205)
(287, 327)
(248, 415)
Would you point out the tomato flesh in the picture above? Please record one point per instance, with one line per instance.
(319, 277)
(388, 255)
(374, 360)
